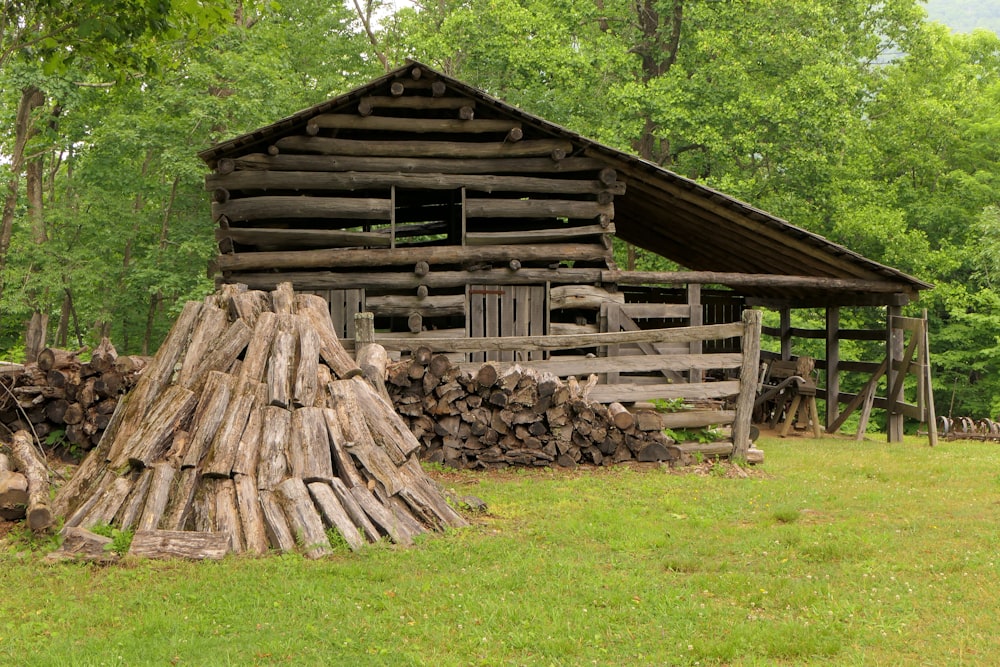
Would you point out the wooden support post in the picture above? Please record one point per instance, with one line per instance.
(696, 319)
(894, 354)
(786, 334)
(832, 364)
(749, 370)
(928, 395)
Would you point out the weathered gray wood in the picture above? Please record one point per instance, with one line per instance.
(32, 466)
(128, 415)
(707, 449)
(251, 515)
(309, 455)
(249, 447)
(281, 363)
(227, 517)
(178, 510)
(424, 149)
(303, 518)
(354, 511)
(153, 438)
(279, 534)
(334, 514)
(675, 335)
(630, 393)
(267, 238)
(357, 437)
(210, 327)
(157, 497)
(748, 280)
(291, 207)
(259, 348)
(325, 280)
(363, 257)
(586, 297)
(307, 372)
(344, 464)
(362, 162)
(697, 418)
(272, 467)
(225, 445)
(386, 426)
(13, 495)
(657, 310)
(545, 235)
(394, 305)
(249, 306)
(748, 384)
(208, 415)
(165, 544)
(382, 516)
(316, 311)
(368, 179)
(373, 360)
(424, 496)
(116, 488)
(527, 208)
(82, 544)
(628, 363)
(224, 352)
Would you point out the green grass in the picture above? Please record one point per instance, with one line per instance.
(839, 553)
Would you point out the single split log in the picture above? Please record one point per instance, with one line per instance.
(29, 463)
(179, 544)
(13, 491)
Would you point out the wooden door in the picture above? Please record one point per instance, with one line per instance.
(505, 310)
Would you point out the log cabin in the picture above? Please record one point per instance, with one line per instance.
(449, 214)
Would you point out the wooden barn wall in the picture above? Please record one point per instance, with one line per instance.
(416, 202)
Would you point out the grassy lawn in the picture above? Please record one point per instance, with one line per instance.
(835, 552)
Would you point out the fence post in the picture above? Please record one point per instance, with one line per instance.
(748, 384)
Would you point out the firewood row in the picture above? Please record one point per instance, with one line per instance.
(517, 416)
(58, 392)
(253, 422)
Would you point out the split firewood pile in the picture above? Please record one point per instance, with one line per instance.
(58, 392)
(518, 416)
(252, 429)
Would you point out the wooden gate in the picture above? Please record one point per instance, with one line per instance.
(506, 310)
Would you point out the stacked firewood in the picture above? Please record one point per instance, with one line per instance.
(252, 429)
(517, 416)
(60, 393)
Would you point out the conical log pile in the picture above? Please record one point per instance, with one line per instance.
(253, 422)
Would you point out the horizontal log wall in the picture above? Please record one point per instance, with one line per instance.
(409, 195)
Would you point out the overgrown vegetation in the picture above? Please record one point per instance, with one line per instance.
(856, 119)
(834, 553)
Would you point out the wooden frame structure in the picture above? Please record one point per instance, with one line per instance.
(450, 214)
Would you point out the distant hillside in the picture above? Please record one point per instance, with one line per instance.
(966, 15)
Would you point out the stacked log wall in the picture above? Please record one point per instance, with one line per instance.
(402, 201)
(61, 399)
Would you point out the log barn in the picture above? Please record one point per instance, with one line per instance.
(453, 216)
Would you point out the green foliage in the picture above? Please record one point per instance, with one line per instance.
(704, 436)
(121, 540)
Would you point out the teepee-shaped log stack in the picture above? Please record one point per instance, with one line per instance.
(253, 422)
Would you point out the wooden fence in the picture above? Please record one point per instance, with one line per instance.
(743, 366)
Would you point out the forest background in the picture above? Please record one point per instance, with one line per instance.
(862, 121)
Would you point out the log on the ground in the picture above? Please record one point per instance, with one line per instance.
(190, 544)
(32, 466)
